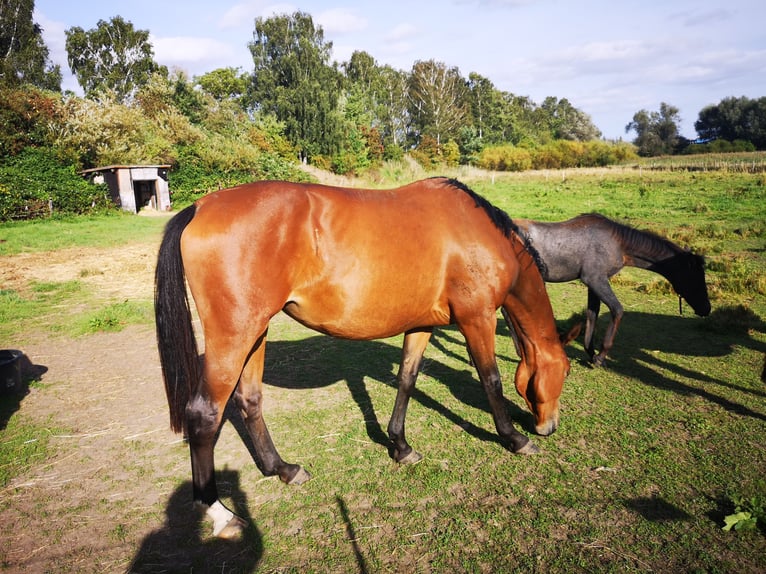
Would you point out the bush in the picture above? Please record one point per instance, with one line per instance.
(559, 154)
(505, 158)
(35, 183)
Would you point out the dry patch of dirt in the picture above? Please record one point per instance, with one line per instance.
(116, 477)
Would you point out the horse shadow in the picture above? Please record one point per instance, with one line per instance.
(11, 401)
(296, 365)
(184, 543)
(640, 352)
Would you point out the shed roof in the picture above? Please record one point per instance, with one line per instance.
(115, 167)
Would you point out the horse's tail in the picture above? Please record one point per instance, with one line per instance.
(175, 334)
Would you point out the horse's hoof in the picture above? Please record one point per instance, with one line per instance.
(528, 448)
(300, 477)
(233, 529)
(413, 457)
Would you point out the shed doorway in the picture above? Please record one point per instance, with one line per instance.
(145, 193)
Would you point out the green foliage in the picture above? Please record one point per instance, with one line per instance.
(437, 94)
(35, 183)
(656, 132)
(559, 154)
(734, 119)
(505, 158)
(294, 80)
(720, 146)
(112, 57)
(749, 513)
(223, 84)
(115, 316)
(428, 154)
(25, 117)
(24, 57)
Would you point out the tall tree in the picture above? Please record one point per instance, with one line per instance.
(395, 114)
(438, 99)
(294, 80)
(734, 119)
(23, 53)
(656, 132)
(224, 84)
(112, 56)
(567, 122)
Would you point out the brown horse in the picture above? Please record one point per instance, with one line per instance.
(351, 263)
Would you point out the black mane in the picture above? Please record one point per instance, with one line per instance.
(652, 246)
(501, 220)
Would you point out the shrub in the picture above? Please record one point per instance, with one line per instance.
(505, 158)
(35, 183)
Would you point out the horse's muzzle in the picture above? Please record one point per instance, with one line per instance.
(548, 427)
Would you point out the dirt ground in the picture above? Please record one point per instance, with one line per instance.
(115, 475)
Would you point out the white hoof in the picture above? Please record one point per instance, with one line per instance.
(226, 524)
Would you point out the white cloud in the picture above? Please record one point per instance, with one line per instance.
(401, 32)
(244, 14)
(198, 55)
(340, 21)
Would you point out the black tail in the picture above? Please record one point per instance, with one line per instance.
(175, 334)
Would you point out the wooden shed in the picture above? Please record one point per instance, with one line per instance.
(135, 187)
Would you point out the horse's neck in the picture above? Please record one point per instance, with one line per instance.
(651, 252)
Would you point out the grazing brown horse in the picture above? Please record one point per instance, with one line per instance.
(592, 248)
(351, 263)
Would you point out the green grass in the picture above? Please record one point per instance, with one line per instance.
(77, 231)
(653, 452)
(66, 309)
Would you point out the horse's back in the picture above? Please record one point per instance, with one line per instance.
(570, 249)
(349, 262)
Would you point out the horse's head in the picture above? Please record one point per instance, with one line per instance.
(686, 272)
(540, 379)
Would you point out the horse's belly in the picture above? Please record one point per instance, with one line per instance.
(341, 314)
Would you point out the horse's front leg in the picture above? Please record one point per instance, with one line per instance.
(603, 291)
(591, 317)
(481, 343)
(412, 354)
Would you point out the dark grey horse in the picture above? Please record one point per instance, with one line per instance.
(592, 248)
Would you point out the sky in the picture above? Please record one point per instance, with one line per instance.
(609, 58)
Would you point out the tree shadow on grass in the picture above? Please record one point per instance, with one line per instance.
(184, 543)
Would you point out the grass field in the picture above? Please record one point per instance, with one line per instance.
(653, 452)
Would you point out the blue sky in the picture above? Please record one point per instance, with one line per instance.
(609, 58)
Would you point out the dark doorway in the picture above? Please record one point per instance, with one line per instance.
(146, 194)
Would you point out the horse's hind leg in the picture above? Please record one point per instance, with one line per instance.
(249, 399)
(204, 413)
(412, 354)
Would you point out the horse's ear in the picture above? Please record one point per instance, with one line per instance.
(573, 333)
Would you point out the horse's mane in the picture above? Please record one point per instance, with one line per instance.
(502, 221)
(638, 241)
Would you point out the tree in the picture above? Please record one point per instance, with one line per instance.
(438, 99)
(395, 115)
(293, 80)
(224, 84)
(656, 132)
(567, 122)
(113, 56)
(734, 119)
(23, 53)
